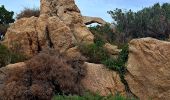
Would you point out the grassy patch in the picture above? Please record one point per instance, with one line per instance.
(94, 52)
(8, 57)
(89, 96)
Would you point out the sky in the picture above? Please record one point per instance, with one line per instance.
(95, 8)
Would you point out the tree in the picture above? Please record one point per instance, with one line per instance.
(6, 17)
(149, 22)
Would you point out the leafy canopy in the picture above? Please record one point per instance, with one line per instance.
(152, 21)
(6, 16)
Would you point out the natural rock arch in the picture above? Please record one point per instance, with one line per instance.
(90, 20)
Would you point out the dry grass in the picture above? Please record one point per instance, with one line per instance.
(28, 12)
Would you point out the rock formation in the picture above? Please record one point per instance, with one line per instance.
(22, 36)
(69, 13)
(90, 20)
(149, 69)
(60, 26)
(100, 79)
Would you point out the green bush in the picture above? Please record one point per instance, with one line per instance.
(151, 21)
(16, 57)
(4, 56)
(97, 54)
(8, 57)
(6, 17)
(103, 32)
(94, 52)
(90, 96)
(3, 28)
(119, 63)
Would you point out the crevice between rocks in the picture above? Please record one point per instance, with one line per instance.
(129, 93)
(47, 35)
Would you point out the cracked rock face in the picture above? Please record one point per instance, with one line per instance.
(22, 36)
(60, 26)
(30, 35)
(149, 69)
(101, 80)
(69, 13)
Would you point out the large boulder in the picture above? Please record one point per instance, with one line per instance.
(30, 35)
(59, 26)
(102, 80)
(22, 36)
(149, 69)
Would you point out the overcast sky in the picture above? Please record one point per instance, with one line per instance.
(96, 8)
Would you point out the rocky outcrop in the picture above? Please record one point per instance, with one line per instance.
(31, 35)
(90, 20)
(22, 36)
(60, 26)
(102, 80)
(69, 13)
(149, 69)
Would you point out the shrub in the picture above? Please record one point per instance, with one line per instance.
(28, 12)
(119, 63)
(6, 17)
(8, 57)
(149, 22)
(94, 52)
(46, 74)
(4, 56)
(3, 28)
(103, 32)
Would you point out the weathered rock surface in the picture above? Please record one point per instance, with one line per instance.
(30, 35)
(60, 26)
(102, 80)
(90, 20)
(149, 69)
(69, 13)
(22, 36)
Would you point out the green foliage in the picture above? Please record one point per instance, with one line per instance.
(94, 52)
(6, 16)
(28, 12)
(90, 96)
(16, 57)
(153, 22)
(103, 32)
(3, 28)
(97, 54)
(4, 56)
(119, 63)
(7, 57)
